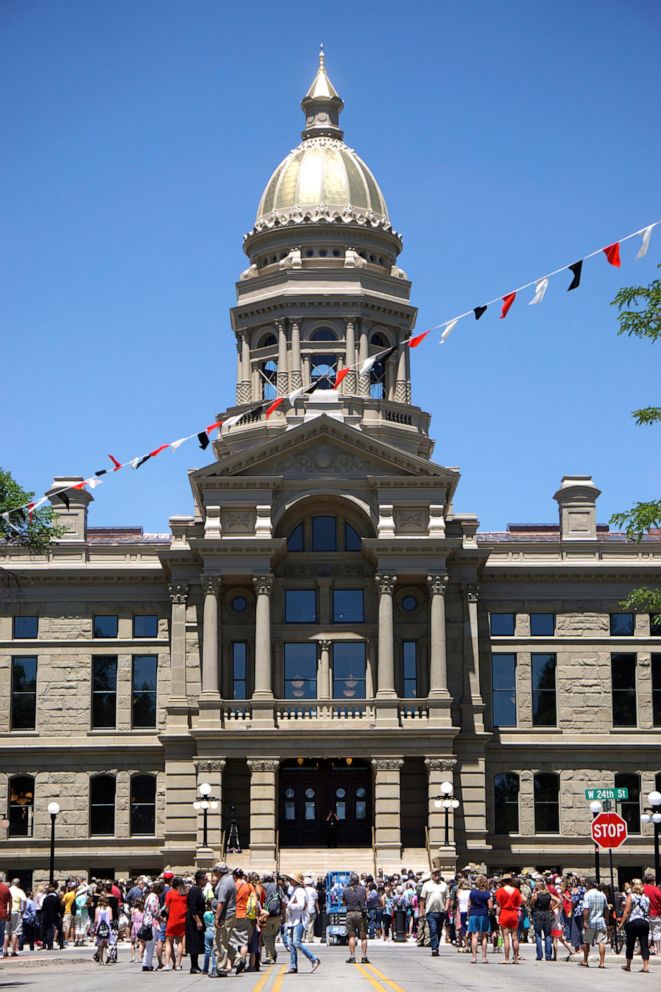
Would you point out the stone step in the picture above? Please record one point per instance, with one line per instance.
(318, 861)
(415, 858)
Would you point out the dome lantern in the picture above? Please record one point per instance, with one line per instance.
(322, 105)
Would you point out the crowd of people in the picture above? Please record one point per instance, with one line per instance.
(229, 922)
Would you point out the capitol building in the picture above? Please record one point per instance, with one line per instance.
(328, 641)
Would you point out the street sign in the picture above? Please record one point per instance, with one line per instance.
(609, 830)
(618, 795)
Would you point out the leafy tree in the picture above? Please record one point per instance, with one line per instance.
(640, 315)
(36, 534)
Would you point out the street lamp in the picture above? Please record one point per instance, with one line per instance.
(654, 816)
(446, 802)
(53, 809)
(205, 802)
(595, 809)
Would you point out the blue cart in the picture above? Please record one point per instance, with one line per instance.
(336, 930)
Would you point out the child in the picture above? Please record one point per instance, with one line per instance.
(137, 916)
(209, 967)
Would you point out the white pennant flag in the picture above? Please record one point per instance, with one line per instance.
(234, 420)
(5, 516)
(647, 234)
(134, 462)
(182, 440)
(368, 365)
(448, 330)
(295, 394)
(93, 483)
(540, 289)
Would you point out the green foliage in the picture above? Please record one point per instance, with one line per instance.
(644, 601)
(647, 415)
(646, 321)
(639, 519)
(38, 534)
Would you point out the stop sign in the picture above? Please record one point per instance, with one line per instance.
(609, 830)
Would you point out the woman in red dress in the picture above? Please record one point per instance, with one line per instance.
(508, 901)
(176, 904)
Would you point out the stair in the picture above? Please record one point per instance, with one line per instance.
(415, 859)
(318, 861)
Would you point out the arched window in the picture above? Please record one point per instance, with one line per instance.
(546, 787)
(630, 808)
(378, 341)
(143, 805)
(351, 538)
(506, 802)
(322, 370)
(323, 334)
(378, 381)
(268, 342)
(102, 806)
(295, 539)
(323, 534)
(21, 805)
(269, 378)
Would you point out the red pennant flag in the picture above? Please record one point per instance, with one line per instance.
(30, 509)
(342, 373)
(212, 427)
(612, 253)
(414, 342)
(507, 303)
(81, 485)
(115, 463)
(274, 405)
(157, 451)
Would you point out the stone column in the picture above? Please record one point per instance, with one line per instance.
(440, 770)
(407, 358)
(350, 358)
(438, 669)
(473, 705)
(209, 702)
(386, 669)
(363, 355)
(239, 369)
(263, 807)
(263, 691)
(295, 375)
(400, 383)
(178, 598)
(282, 375)
(370, 668)
(209, 770)
(244, 391)
(324, 678)
(387, 820)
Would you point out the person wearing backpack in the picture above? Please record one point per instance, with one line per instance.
(271, 917)
(635, 921)
(102, 918)
(297, 917)
(247, 909)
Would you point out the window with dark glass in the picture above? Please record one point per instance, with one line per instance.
(630, 808)
(300, 671)
(323, 334)
(239, 670)
(102, 806)
(300, 606)
(143, 805)
(621, 624)
(105, 626)
(502, 624)
(269, 379)
(410, 669)
(104, 692)
(348, 670)
(322, 370)
(378, 380)
(239, 604)
(623, 680)
(544, 710)
(23, 693)
(506, 805)
(655, 624)
(351, 538)
(145, 625)
(26, 627)
(503, 689)
(542, 624)
(295, 539)
(546, 787)
(21, 806)
(656, 690)
(145, 680)
(324, 534)
(348, 606)
(409, 604)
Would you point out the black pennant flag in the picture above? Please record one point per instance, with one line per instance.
(141, 461)
(203, 438)
(478, 311)
(102, 471)
(65, 499)
(576, 268)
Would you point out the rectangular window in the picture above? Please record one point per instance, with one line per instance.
(300, 606)
(105, 626)
(544, 710)
(623, 680)
(26, 627)
(503, 684)
(301, 671)
(410, 669)
(239, 670)
(145, 625)
(506, 805)
(502, 624)
(656, 690)
(23, 693)
(324, 534)
(621, 624)
(349, 670)
(348, 606)
(630, 808)
(145, 680)
(546, 790)
(104, 692)
(542, 624)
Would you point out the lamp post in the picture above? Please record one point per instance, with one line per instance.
(595, 809)
(653, 815)
(53, 809)
(446, 801)
(205, 802)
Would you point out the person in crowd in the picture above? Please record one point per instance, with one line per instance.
(508, 901)
(246, 915)
(5, 911)
(480, 905)
(271, 917)
(313, 907)
(577, 893)
(296, 919)
(195, 909)
(14, 925)
(595, 911)
(67, 898)
(354, 897)
(543, 905)
(635, 921)
(372, 909)
(50, 916)
(461, 899)
(102, 922)
(387, 909)
(137, 917)
(209, 918)
(150, 927)
(225, 893)
(558, 928)
(81, 905)
(653, 892)
(30, 922)
(434, 897)
(175, 929)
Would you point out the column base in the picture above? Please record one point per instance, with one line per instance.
(445, 858)
(204, 857)
(387, 711)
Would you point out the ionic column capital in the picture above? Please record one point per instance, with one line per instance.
(263, 584)
(438, 583)
(385, 584)
(211, 585)
(387, 764)
(263, 764)
(441, 764)
(178, 592)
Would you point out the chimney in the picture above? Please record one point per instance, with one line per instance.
(577, 503)
(74, 516)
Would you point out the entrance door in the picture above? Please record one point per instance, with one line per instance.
(308, 793)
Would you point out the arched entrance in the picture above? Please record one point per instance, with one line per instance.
(311, 787)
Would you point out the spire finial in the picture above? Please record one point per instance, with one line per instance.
(322, 104)
(322, 56)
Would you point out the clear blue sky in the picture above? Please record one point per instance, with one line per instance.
(508, 137)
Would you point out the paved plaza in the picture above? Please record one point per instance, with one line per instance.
(401, 968)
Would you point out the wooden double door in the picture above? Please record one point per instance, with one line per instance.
(311, 791)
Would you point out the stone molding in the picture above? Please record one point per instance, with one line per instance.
(178, 592)
(263, 764)
(441, 764)
(210, 585)
(263, 584)
(324, 644)
(387, 764)
(438, 584)
(385, 584)
(209, 764)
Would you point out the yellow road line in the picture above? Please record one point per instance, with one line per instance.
(263, 980)
(373, 982)
(393, 985)
(277, 985)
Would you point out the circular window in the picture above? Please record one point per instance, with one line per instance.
(289, 794)
(409, 603)
(336, 253)
(309, 793)
(340, 793)
(239, 604)
(360, 793)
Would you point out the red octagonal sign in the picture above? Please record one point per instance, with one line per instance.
(609, 830)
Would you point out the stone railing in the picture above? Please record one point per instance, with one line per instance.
(335, 712)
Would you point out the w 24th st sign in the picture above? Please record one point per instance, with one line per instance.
(609, 830)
